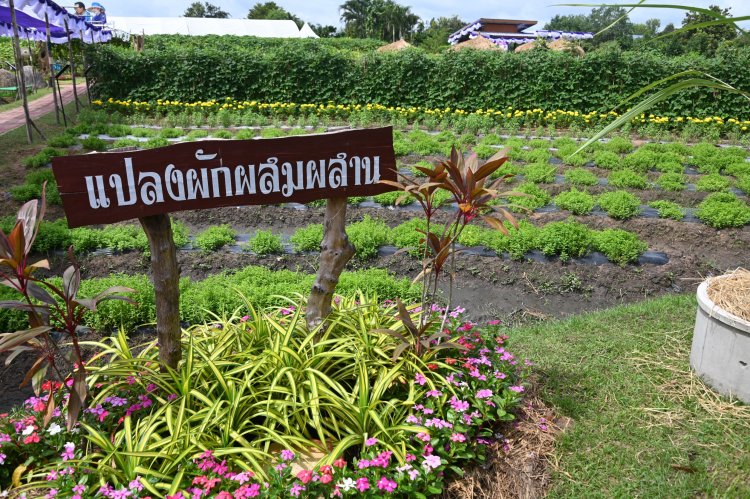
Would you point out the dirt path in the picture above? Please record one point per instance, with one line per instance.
(14, 118)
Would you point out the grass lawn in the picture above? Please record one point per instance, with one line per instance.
(643, 425)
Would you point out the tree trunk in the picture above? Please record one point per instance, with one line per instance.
(335, 252)
(166, 274)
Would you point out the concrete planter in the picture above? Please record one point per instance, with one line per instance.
(720, 353)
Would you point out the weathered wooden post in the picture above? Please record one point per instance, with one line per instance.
(147, 185)
(335, 252)
(166, 275)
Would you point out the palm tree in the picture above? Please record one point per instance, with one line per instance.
(355, 15)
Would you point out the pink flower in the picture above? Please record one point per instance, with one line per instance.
(371, 441)
(3, 457)
(178, 495)
(493, 322)
(223, 495)
(517, 389)
(339, 463)
(385, 484)
(296, 489)
(287, 455)
(131, 381)
(69, 452)
(253, 490)
(305, 476)
(484, 394)
(410, 458)
(362, 484)
(458, 405)
(433, 393)
(458, 437)
(326, 478)
(420, 379)
(245, 318)
(52, 493)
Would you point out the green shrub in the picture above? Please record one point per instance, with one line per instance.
(738, 169)
(485, 151)
(42, 158)
(668, 209)
(63, 140)
(672, 181)
(536, 197)
(171, 133)
(265, 242)
(627, 178)
(581, 176)
(201, 134)
(569, 156)
(568, 239)
(540, 173)
(215, 237)
(540, 144)
(32, 187)
(155, 142)
(405, 235)
(222, 134)
(367, 236)
(575, 201)
(669, 167)
(620, 204)
(520, 240)
(743, 183)
(308, 238)
(52, 235)
(608, 160)
(641, 160)
(507, 168)
(145, 132)
(534, 155)
(619, 246)
(390, 198)
(713, 182)
(94, 144)
(562, 142)
(119, 130)
(125, 143)
(722, 209)
(619, 145)
(472, 235)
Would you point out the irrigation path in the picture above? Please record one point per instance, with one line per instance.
(14, 118)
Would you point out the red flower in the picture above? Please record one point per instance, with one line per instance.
(305, 476)
(432, 367)
(31, 439)
(339, 463)
(450, 361)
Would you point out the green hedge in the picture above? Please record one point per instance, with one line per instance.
(218, 294)
(304, 71)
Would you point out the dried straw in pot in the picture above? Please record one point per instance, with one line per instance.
(731, 292)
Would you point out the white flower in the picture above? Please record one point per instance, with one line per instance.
(54, 429)
(347, 484)
(431, 462)
(28, 431)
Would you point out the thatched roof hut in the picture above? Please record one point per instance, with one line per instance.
(562, 45)
(526, 46)
(395, 46)
(478, 43)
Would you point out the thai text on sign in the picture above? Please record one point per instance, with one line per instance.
(111, 187)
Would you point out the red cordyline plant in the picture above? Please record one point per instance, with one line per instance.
(50, 309)
(472, 190)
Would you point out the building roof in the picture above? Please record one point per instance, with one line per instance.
(395, 46)
(197, 26)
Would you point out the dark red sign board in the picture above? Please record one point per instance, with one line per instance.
(110, 187)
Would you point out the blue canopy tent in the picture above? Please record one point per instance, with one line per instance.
(23, 19)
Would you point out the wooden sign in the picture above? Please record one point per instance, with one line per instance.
(111, 187)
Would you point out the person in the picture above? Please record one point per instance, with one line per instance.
(99, 13)
(81, 11)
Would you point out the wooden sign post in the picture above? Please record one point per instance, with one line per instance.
(149, 184)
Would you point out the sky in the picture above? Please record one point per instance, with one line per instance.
(327, 11)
